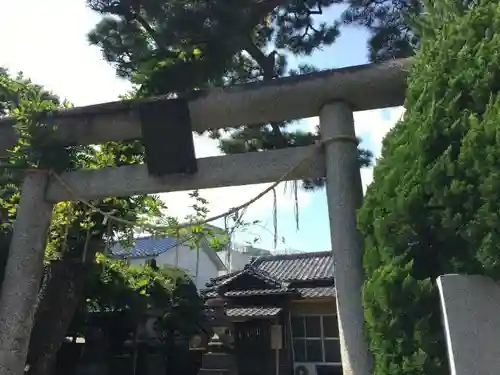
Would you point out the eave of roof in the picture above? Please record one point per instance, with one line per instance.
(313, 292)
(145, 247)
(297, 268)
(212, 293)
(308, 275)
(258, 274)
(318, 292)
(253, 312)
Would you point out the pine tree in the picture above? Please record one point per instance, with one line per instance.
(433, 206)
(391, 25)
(175, 46)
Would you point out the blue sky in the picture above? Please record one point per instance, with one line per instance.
(47, 41)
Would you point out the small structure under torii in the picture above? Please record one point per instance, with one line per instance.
(332, 94)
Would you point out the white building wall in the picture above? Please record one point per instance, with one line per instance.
(186, 261)
(236, 261)
(240, 256)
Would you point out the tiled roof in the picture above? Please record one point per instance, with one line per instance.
(144, 247)
(149, 247)
(255, 292)
(310, 275)
(316, 292)
(252, 311)
(220, 279)
(297, 267)
(328, 291)
(252, 292)
(255, 272)
(290, 267)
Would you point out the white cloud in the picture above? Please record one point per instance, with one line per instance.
(53, 50)
(372, 126)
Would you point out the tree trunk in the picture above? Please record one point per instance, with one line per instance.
(58, 303)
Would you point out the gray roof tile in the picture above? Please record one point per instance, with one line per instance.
(144, 247)
(245, 293)
(317, 292)
(252, 311)
(289, 267)
(297, 267)
(258, 273)
(255, 292)
(308, 274)
(150, 247)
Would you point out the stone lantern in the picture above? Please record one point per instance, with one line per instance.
(219, 321)
(219, 359)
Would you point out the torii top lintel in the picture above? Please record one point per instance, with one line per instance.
(364, 87)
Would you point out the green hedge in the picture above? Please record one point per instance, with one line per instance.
(434, 205)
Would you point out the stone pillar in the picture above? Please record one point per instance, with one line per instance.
(344, 196)
(23, 273)
(471, 317)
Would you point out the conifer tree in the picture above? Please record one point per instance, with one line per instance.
(433, 205)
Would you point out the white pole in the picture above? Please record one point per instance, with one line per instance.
(23, 273)
(197, 266)
(344, 196)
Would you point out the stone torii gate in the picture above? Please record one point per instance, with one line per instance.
(332, 94)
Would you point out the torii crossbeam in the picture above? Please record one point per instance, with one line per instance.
(332, 94)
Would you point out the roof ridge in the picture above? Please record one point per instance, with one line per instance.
(249, 269)
(222, 277)
(122, 249)
(305, 255)
(283, 269)
(117, 250)
(150, 237)
(159, 238)
(263, 274)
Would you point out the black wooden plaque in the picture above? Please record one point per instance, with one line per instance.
(167, 137)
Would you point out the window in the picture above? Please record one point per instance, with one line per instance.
(316, 338)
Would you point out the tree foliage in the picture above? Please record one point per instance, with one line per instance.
(390, 23)
(393, 25)
(433, 206)
(145, 36)
(77, 232)
(176, 46)
(114, 287)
